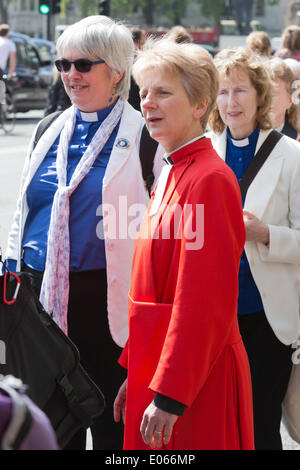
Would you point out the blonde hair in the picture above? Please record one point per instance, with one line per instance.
(245, 60)
(179, 34)
(291, 38)
(99, 36)
(190, 62)
(279, 69)
(259, 42)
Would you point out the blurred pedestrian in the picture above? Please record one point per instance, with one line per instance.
(7, 52)
(79, 186)
(268, 302)
(259, 43)
(290, 43)
(179, 34)
(188, 383)
(58, 99)
(138, 36)
(286, 113)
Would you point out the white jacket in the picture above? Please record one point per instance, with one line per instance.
(123, 193)
(274, 197)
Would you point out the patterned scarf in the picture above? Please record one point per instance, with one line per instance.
(55, 287)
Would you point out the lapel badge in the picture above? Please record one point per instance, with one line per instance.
(122, 143)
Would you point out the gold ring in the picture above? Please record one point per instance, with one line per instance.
(158, 432)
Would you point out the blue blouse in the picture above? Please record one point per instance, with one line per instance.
(87, 251)
(239, 153)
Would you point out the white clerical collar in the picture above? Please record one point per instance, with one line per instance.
(89, 117)
(95, 116)
(240, 142)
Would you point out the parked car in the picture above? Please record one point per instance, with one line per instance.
(33, 75)
(46, 49)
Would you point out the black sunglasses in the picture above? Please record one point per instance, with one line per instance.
(81, 65)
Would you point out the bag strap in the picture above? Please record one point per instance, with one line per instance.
(148, 147)
(44, 124)
(258, 161)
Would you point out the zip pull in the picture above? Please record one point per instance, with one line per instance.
(14, 298)
(6, 276)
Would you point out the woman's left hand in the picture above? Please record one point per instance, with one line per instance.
(256, 230)
(157, 426)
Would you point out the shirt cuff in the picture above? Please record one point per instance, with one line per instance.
(169, 404)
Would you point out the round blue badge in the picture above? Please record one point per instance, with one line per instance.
(122, 143)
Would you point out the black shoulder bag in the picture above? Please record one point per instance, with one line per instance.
(34, 349)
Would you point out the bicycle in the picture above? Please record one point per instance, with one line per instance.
(7, 108)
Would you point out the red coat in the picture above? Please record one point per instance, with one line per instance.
(184, 340)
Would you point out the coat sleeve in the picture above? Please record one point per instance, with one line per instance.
(284, 245)
(205, 303)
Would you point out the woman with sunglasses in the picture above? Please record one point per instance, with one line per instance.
(82, 192)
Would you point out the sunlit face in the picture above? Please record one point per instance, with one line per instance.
(89, 91)
(281, 102)
(237, 103)
(169, 115)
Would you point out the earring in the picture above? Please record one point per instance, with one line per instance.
(112, 94)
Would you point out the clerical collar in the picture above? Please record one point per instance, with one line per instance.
(95, 116)
(245, 141)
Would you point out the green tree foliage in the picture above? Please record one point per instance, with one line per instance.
(215, 9)
(173, 9)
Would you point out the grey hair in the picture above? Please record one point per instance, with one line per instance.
(100, 37)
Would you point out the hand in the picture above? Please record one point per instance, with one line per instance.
(256, 230)
(120, 403)
(157, 426)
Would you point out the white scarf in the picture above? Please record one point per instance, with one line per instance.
(55, 287)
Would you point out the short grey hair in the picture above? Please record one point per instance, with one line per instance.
(100, 37)
(192, 63)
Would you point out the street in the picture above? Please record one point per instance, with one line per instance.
(12, 154)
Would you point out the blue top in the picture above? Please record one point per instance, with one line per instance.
(239, 153)
(87, 251)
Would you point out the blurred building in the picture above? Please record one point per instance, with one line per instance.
(24, 17)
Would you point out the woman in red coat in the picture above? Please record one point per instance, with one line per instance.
(188, 384)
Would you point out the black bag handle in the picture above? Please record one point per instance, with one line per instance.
(258, 161)
(43, 126)
(148, 147)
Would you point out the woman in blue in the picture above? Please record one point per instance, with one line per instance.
(81, 184)
(268, 302)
